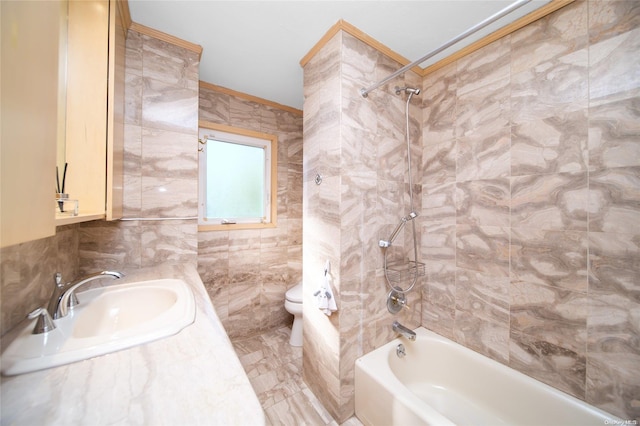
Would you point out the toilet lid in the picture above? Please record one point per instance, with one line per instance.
(294, 294)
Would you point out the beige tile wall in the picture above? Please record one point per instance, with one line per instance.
(534, 264)
(160, 181)
(531, 199)
(358, 148)
(161, 163)
(27, 273)
(247, 272)
(529, 204)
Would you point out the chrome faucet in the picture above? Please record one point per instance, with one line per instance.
(64, 296)
(404, 331)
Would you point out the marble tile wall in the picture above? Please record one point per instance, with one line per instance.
(357, 145)
(530, 199)
(321, 231)
(27, 271)
(247, 272)
(160, 181)
(161, 163)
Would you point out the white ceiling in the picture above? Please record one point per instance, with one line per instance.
(255, 47)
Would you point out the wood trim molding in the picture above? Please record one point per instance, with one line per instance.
(236, 130)
(166, 37)
(274, 176)
(236, 226)
(123, 6)
(320, 44)
(226, 91)
(342, 25)
(498, 34)
(367, 39)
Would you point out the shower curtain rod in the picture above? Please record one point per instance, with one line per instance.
(364, 92)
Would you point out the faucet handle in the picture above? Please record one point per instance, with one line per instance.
(44, 323)
(396, 301)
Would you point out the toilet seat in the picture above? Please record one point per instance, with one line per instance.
(294, 294)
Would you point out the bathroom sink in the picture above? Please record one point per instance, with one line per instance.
(107, 319)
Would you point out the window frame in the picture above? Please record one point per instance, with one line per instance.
(272, 194)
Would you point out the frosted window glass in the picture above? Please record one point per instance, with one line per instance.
(235, 180)
(236, 189)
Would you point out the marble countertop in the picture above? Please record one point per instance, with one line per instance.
(191, 378)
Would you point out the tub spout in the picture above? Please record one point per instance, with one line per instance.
(404, 331)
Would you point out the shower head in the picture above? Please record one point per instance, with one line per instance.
(410, 216)
(408, 90)
(394, 234)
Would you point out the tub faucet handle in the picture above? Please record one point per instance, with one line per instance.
(396, 301)
(400, 300)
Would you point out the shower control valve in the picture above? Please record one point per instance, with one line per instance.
(396, 301)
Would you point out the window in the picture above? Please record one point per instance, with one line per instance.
(237, 179)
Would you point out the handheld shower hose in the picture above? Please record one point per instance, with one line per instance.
(385, 244)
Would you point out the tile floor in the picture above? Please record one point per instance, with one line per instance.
(275, 371)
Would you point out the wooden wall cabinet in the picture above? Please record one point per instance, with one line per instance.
(29, 126)
(86, 126)
(33, 115)
(95, 109)
(115, 108)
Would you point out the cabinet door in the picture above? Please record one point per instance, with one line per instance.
(86, 141)
(115, 117)
(29, 104)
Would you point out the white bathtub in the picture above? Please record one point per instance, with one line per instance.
(440, 382)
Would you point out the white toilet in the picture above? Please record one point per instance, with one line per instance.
(293, 305)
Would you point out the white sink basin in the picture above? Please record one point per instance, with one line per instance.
(107, 319)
